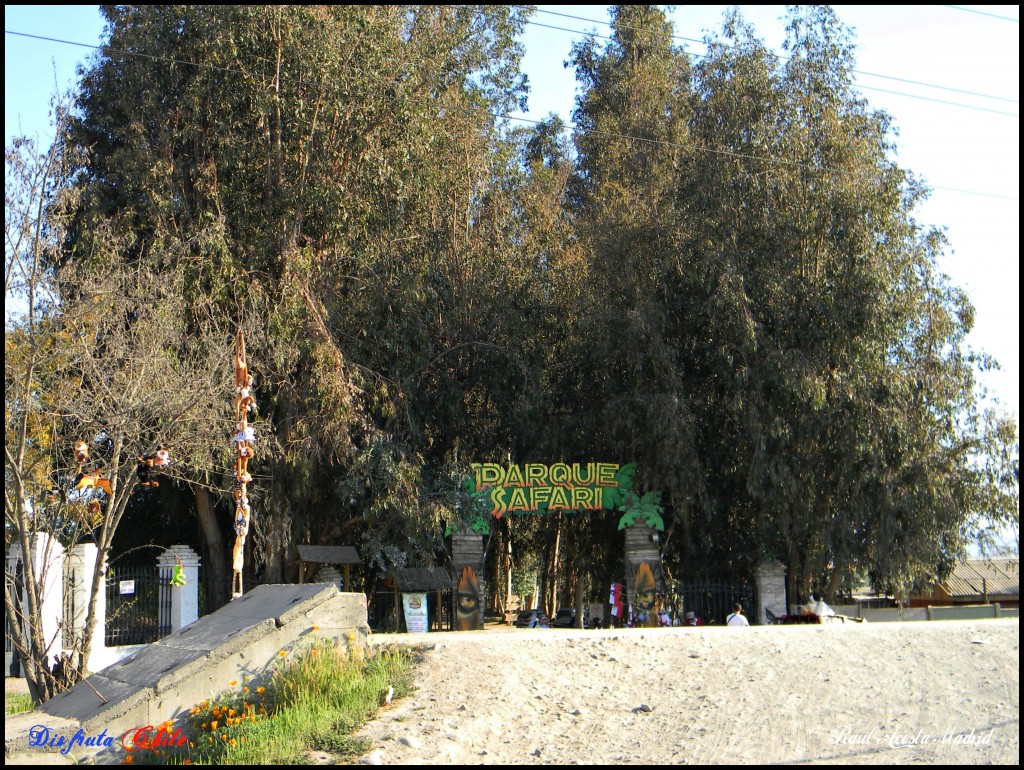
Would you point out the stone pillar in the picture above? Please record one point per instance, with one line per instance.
(184, 599)
(48, 564)
(328, 573)
(81, 566)
(771, 590)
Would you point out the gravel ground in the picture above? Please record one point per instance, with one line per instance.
(884, 693)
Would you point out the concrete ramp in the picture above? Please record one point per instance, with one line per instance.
(167, 678)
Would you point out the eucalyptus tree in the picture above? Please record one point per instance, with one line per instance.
(854, 388)
(336, 178)
(769, 332)
(633, 345)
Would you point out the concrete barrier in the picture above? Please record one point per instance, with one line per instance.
(166, 679)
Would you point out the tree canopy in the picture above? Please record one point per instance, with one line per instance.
(717, 276)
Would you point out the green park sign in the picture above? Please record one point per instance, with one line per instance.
(534, 487)
(538, 488)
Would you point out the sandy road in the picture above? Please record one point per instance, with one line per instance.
(885, 693)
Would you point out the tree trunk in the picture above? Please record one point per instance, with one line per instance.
(581, 564)
(216, 576)
(275, 544)
(551, 597)
(833, 584)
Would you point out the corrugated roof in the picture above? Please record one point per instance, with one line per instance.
(422, 579)
(1001, 578)
(329, 554)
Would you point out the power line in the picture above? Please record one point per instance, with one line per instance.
(856, 72)
(766, 159)
(983, 13)
(938, 101)
(124, 52)
(869, 88)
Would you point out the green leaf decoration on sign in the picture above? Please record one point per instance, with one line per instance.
(473, 512)
(614, 498)
(646, 509)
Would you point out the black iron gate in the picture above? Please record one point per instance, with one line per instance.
(712, 599)
(16, 587)
(138, 606)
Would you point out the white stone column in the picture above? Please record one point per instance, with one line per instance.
(48, 564)
(82, 563)
(771, 590)
(184, 599)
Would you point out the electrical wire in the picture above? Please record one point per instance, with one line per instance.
(701, 42)
(983, 13)
(858, 72)
(568, 126)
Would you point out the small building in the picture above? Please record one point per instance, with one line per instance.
(385, 610)
(976, 581)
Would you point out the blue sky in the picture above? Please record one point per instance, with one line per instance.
(967, 151)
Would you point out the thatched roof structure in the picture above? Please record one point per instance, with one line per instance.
(329, 554)
(417, 579)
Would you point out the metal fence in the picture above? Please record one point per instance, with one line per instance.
(138, 606)
(712, 599)
(385, 615)
(12, 657)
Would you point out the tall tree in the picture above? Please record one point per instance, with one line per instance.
(336, 177)
(772, 300)
(98, 366)
(632, 141)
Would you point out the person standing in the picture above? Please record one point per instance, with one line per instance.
(737, 618)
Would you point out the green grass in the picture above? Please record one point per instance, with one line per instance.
(17, 702)
(315, 699)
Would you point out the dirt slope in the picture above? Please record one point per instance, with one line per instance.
(884, 693)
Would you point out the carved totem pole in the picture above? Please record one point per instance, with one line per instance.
(244, 402)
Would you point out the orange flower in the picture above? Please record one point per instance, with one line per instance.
(232, 742)
(204, 704)
(223, 736)
(261, 690)
(128, 760)
(282, 653)
(213, 725)
(316, 628)
(245, 689)
(187, 762)
(233, 682)
(313, 652)
(231, 712)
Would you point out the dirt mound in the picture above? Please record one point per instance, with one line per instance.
(882, 693)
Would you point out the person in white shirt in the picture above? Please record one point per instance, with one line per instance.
(737, 618)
